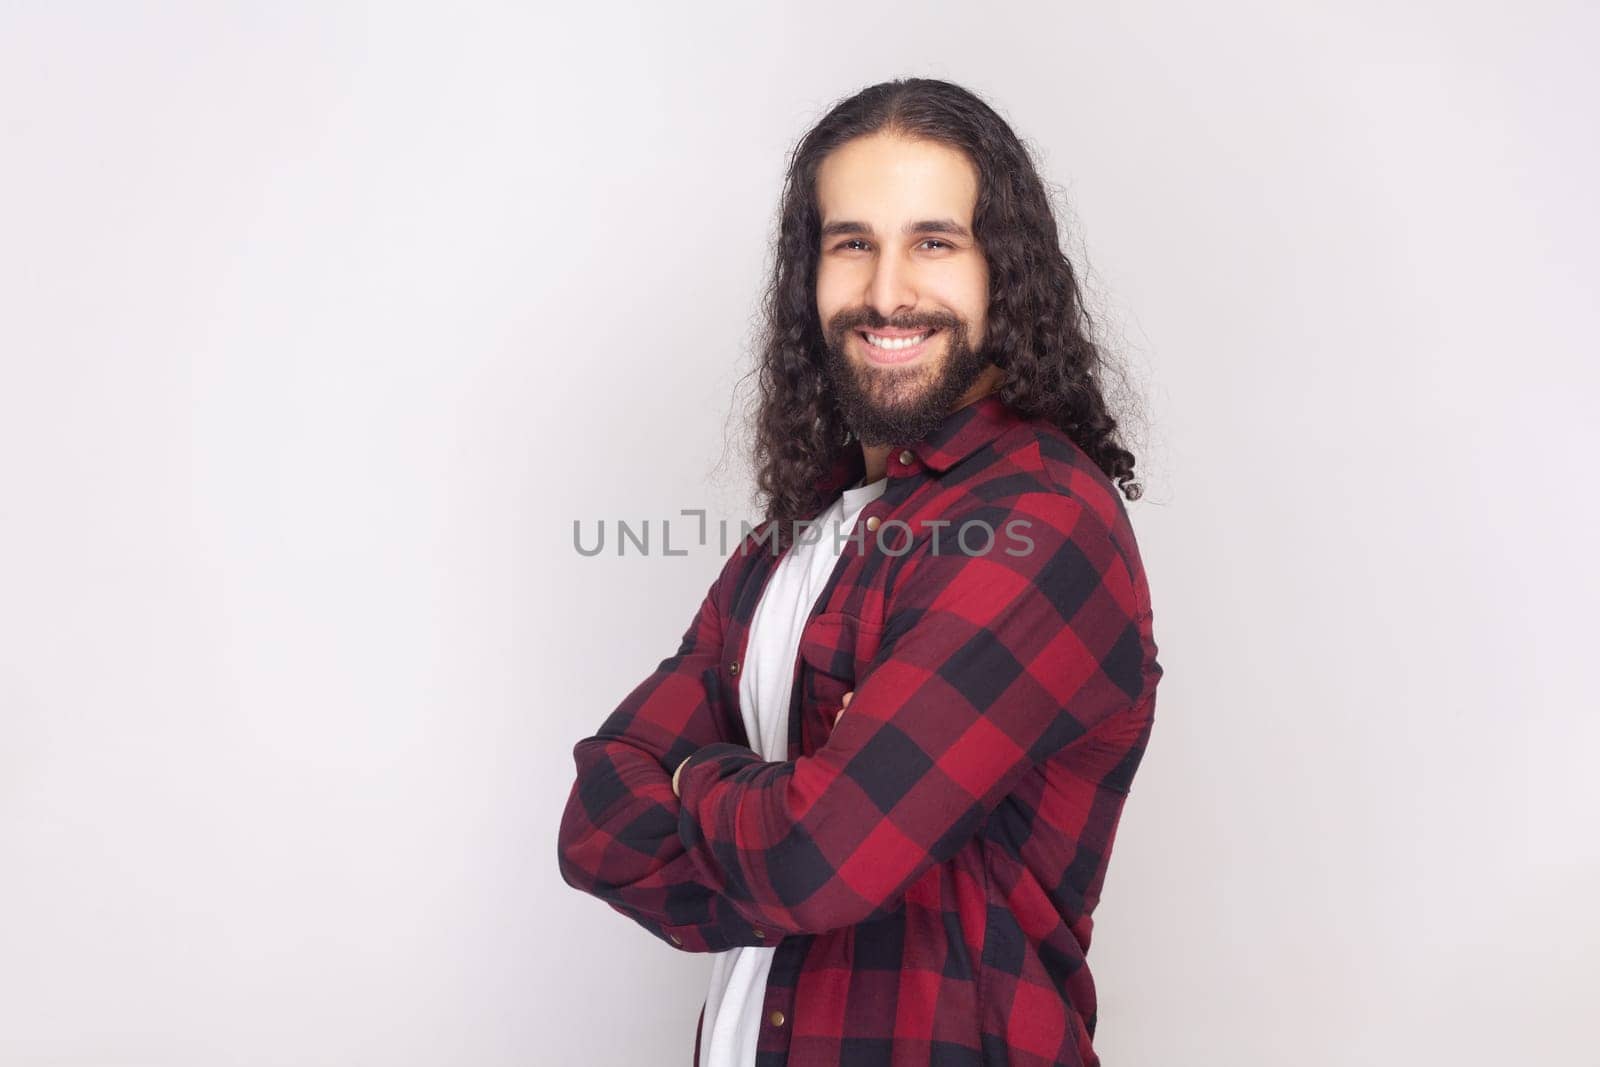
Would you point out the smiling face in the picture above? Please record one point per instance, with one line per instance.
(898, 261)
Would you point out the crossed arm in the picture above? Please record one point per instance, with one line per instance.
(619, 832)
(989, 665)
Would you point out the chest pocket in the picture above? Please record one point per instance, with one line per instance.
(835, 649)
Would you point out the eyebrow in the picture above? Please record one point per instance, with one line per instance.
(949, 227)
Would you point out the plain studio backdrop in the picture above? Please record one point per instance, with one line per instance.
(323, 323)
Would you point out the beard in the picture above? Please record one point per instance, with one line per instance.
(890, 405)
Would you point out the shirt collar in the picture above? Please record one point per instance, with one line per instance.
(964, 431)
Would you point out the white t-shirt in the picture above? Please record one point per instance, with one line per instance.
(738, 990)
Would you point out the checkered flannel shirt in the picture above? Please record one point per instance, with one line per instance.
(926, 868)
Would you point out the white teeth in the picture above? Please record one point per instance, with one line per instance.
(892, 343)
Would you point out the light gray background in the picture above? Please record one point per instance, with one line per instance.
(321, 323)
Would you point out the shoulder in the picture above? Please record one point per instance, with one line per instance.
(746, 550)
(1036, 470)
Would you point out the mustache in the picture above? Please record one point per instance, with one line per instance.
(844, 322)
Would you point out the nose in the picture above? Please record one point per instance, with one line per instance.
(892, 288)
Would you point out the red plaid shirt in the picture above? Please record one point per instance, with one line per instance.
(926, 869)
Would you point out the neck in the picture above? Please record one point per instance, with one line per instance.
(876, 457)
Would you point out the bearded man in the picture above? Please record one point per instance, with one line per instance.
(881, 776)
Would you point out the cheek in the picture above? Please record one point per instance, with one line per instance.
(975, 294)
(963, 288)
(963, 305)
(828, 301)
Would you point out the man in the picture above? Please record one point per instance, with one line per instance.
(882, 774)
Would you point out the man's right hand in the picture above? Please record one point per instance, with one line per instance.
(844, 702)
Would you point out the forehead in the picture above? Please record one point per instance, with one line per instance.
(884, 178)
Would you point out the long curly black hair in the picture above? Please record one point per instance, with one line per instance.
(1037, 329)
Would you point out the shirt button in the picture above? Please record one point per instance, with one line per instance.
(733, 668)
(777, 1018)
(758, 931)
(676, 940)
(872, 522)
(905, 457)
